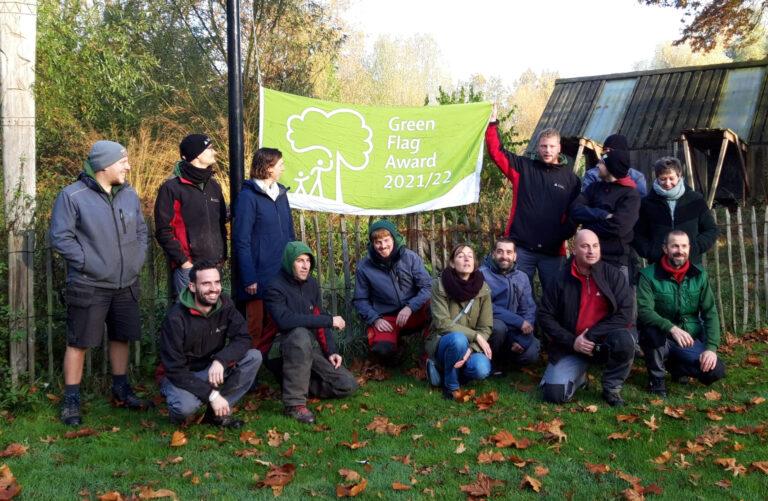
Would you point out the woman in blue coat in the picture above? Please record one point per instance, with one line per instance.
(262, 227)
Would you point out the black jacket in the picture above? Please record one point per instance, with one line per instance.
(191, 220)
(591, 209)
(292, 304)
(559, 310)
(656, 220)
(190, 341)
(538, 219)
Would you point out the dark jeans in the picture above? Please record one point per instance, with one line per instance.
(548, 266)
(306, 371)
(660, 349)
(562, 378)
(501, 345)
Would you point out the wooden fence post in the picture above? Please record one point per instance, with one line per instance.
(348, 289)
(49, 303)
(756, 251)
(729, 241)
(718, 281)
(744, 271)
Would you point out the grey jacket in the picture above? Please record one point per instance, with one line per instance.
(103, 238)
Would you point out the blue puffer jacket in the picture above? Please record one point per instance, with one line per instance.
(103, 237)
(382, 291)
(511, 294)
(261, 229)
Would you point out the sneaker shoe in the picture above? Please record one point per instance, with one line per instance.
(657, 387)
(433, 375)
(300, 413)
(70, 411)
(613, 398)
(125, 397)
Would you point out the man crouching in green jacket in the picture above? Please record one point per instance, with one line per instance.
(677, 318)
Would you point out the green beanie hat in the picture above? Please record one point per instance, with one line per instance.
(292, 251)
(390, 227)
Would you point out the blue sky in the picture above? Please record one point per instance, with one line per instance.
(504, 38)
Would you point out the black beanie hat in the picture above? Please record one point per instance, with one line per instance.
(616, 142)
(617, 163)
(192, 145)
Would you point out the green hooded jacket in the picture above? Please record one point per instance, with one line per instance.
(663, 303)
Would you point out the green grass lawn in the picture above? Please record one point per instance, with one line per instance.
(132, 450)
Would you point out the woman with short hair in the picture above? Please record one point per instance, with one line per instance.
(262, 227)
(462, 321)
(672, 205)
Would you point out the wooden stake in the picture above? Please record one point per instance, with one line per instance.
(718, 170)
(302, 226)
(318, 253)
(729, 240)
(718, 281)
(432, 238)
(348, 287)
(744, 271)
(332, 273)
(756, 250)
(49, 303)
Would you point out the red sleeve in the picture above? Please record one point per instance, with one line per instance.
(498, 154)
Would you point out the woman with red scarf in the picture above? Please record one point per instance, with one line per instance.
(462, 321)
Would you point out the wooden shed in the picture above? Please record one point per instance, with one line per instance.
(716, 112)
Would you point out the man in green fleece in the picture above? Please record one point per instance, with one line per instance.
(677, 318)
(303, 353)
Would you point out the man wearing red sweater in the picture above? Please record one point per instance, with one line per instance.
(585, 317)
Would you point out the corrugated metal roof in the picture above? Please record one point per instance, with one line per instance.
(662, 103)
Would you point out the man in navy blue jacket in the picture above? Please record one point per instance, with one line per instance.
(392, 290)
(514, 311)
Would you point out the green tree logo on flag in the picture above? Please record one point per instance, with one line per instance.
(353, 154)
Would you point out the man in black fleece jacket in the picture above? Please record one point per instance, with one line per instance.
(303, 353)
(205, 351)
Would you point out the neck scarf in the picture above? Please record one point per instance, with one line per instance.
(677, 273)
(192, 173)
(458, 289)
(673, 194)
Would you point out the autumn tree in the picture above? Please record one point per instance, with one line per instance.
(733, 22)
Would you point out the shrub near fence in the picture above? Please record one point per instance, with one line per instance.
(738, 268)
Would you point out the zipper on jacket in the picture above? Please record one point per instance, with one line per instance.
(122, 220)
(119, 243)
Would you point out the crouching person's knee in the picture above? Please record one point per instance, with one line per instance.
(714, 375)
(346, 385)
(554, 393)
(622, 345)
(179, 410)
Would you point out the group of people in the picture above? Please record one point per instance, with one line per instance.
(473, 320)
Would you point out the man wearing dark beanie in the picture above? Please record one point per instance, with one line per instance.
(190, 212)
(98, 228)
(615, 142)
(610, 208)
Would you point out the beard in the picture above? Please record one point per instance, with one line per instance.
(201, 299)
(678, 260)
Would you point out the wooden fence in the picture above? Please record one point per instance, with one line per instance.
(738, 268)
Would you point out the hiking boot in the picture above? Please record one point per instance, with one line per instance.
(70, 411)
(451, 394)
(300, 413)
(656, 386)
(433, 375)
(613, 398)
(221, 421)
(124, 396)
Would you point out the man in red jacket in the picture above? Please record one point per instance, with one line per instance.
(543, 187)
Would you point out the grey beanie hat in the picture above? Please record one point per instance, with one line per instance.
(105, 153)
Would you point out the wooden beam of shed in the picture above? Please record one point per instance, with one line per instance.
(579, 154)
(688, 161)
(718, 170)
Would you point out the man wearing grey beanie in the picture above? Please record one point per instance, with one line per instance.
(98, 228)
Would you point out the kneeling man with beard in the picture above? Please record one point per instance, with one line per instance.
(205, 352)
(677, 318)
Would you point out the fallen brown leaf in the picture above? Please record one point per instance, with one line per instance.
(248, 453)
(531, 482)
(460, 448)
(551, 430)
(662, 458)
(354, 444)
(349, 491)
(620, 435)
(250, 437)
(630, 494)
(406, 460)
(82, 432)
(651, 423)
(9, 487)
(761, 466)
(713, 416)
(597, 469)
(725, 484)
(483, 486)
(289, 451)
(541, 471)
(519, 462)
(712, 395)
(757, 400)
(278, 477)
(14, 450)
(487, 400)
(349, 475)
(109, 496)
(275, 438)
(731, 465)
(675, 412)
(463, 395)
(753, 359)
(397, 486)
(490, 456)
(381, 424)
(464, 430)
(147, 492)
(178, 439)
(627, 418)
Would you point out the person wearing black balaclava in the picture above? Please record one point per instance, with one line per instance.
(190, 212)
